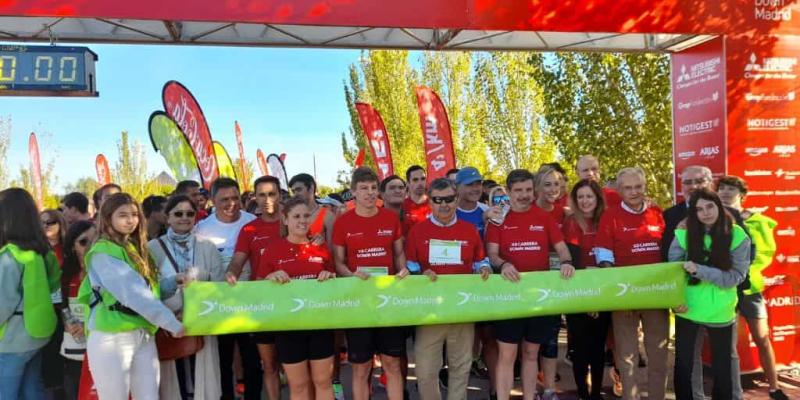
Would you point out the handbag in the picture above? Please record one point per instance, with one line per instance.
(171, 348)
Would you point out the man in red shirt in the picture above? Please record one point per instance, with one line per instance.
(444, 245)
(415, 208)
(368, 240)
(588, 167)
(630, 234)
(522, 244)
(322, 218)
(253, 240)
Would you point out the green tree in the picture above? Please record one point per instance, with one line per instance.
(5, 141)
(131, 170)
(85, 185)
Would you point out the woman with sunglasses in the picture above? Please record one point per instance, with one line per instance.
(73, 343)
(55, 229)
(182, 257)
(716, 256)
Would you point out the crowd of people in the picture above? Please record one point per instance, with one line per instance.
(101, 288)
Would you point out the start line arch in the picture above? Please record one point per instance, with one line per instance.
(734, 73)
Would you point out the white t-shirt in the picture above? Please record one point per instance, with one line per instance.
(222, 234)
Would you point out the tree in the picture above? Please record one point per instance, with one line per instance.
(85, 185)
(5, 141)
(246, 177)
(131, 170)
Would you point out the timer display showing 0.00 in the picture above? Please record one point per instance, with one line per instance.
(51, 69)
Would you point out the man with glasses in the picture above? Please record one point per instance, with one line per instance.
(442, 245)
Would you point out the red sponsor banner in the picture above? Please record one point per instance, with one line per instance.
(436, 133)
(377, 139)
(763, 110)
(240, 145)
(183, 108)
(103, 172)
(698, 109)
(360, 158)
(36, 169)
(262, 162)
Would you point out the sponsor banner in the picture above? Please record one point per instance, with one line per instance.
(102, 169)
(436, 134)
(360, 158)
(212, 308)
(277, 169)
(262, 163)
(224, 162)
(377, 139)
(240, 145)
(36, 169)
(698, 108)
(168, 140)
(183, 108)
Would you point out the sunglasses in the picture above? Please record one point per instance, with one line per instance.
(83, 242)
(443, 199)
(49, 223)
(500, 200)
(181, 214)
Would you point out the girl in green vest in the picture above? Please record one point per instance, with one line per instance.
(717, 256)
(123, 295)
(29, 274)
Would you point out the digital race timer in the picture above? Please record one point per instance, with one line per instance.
(47, 71)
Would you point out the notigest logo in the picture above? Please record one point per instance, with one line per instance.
(772, 10)
(788, 231)
(757, 172)
(771, 124)
(704, 71)
(770, 68)
(698, 127)
(685, 155)
(756, 151)
(709, 152)
(770, 98)
(784, 150)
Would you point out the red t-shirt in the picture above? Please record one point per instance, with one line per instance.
(573, 234)
(299, 261)
(557, 213)
(201, 215)
(414, 213)
(525, 239)
(612, 197)
(633, 238)
(562, 201)
(369, 241)
(418, 246)
(255, 237)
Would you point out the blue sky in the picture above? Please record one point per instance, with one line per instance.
(286, 101)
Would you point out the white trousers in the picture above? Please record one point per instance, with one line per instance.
(124, 362)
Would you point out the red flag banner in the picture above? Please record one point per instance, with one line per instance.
(240, 145)
(360, 158)
(183, 108)
(262, 162)
(36, 169)
(377, 138)
(103, 172)
(436, 133)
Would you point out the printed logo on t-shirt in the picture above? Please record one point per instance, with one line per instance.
(536, 228)
(385, 232)
(316, 260)
(525, 246)
(371, 252)
(654, 228)
(627, 229)
(285, 261)
(509, 228)
(351, 234)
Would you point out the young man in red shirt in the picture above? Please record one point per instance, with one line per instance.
(322, 218)
(444, 245)
(522, 244)
(368, 240)
(253, 240)
(415, 208)
(630, 234)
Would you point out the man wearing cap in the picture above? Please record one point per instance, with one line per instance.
(469, 183)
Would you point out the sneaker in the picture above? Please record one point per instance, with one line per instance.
(443, 378)
(338, 391)
(617, 382)
(777, 395)
(549, 394)
(479, 369)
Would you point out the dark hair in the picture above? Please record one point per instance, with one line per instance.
(62, 222)
(598, 193)
(183, 186)
(152, 204)
(488, 183)
(306, 179)
(451, 171)
(76, 200)
(721, 237)
(175, 200)
(98, 194)
(71, 265)
(411, 170)
(442, 184)
(556, 166)
(388, 179)
(362, 174)
(518, 175)
(735, 181)
(20, 223)
(223, 183)
(267, 179)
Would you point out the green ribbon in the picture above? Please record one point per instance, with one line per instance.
(212, 308)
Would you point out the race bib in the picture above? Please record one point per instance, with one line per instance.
(444, 252)
(375, 271)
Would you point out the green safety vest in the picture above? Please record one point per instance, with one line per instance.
(40, 277)
(761, 229)
(707, 302)
(105, 318)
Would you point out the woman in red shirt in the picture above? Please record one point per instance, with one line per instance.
(587, 330)
(548, 192)
(306, 356)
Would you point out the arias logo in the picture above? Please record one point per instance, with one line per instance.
(756, 151)
(784, 150)
(771, 124)
(781, 68)
(709, 152)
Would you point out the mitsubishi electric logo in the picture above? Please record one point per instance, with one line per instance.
(214, 306)
(781, 68)
(704, 71)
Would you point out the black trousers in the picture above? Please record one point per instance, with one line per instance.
(686, 332)
(251, 363)
(588, 343)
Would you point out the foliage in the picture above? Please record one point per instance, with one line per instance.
(5, 141)
(131, 170)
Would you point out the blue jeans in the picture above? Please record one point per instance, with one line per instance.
(21, 375)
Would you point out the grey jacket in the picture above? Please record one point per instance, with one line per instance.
(16, 338)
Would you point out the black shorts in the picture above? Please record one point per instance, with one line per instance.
(298, 346)
(263, 337)
(364, 343)
(538, 330)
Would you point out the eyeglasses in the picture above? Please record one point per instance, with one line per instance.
(181, 214)
(698, 181)
(443, 199)
(49, 223)
(83, 242)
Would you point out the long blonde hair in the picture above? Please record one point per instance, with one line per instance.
(140, 256)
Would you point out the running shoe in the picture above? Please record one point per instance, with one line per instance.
(479, 369)
(338, 391)
(777, 395)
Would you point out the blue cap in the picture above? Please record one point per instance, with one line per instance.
(468, 175)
